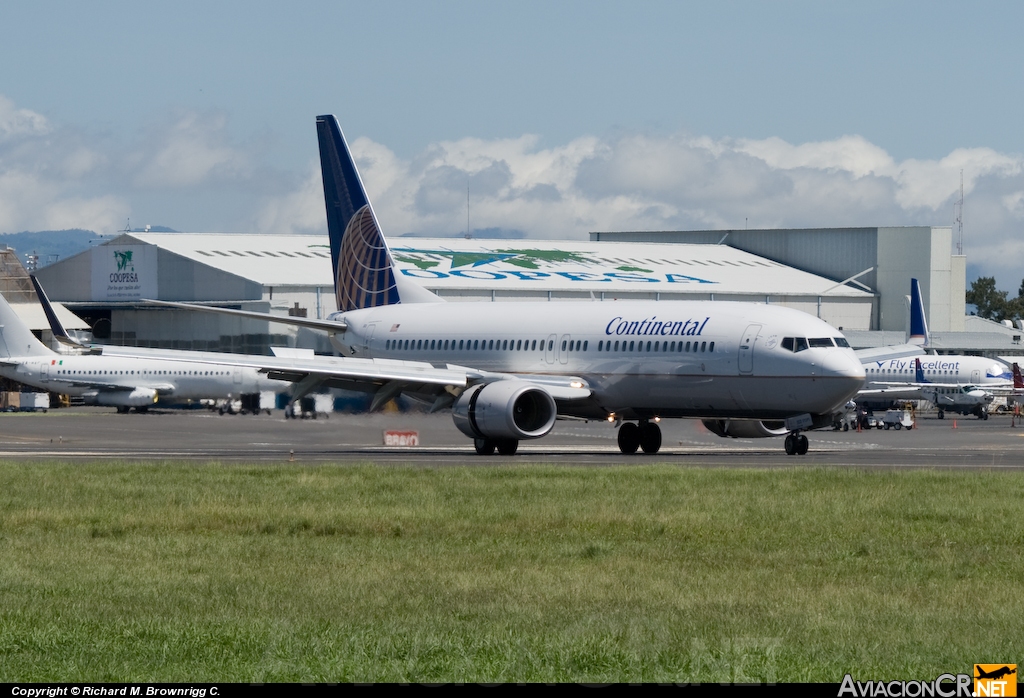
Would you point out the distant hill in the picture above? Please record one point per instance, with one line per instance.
(54, 245)
(481, 233)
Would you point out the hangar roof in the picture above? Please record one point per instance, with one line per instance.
(459, 263)
(32, 315)
(271, 260)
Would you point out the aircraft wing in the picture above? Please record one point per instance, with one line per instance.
(367, 375)
(331, 326)
(910, 391)
(898, 351)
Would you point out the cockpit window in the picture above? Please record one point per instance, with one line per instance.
(801, 344)
(787, 343)
(841, 342)
(818, 342)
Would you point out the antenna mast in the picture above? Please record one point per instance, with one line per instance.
(468, 236)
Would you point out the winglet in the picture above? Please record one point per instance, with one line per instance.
(59, 333)
(918, 322)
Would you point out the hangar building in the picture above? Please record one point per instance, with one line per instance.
(292, 274)
(879, 260)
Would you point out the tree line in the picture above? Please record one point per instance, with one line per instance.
(994, 304)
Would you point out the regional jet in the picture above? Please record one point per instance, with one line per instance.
(124, 382)
(508, 370)
(953, 382)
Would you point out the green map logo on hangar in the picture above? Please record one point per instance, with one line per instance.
(527, 265)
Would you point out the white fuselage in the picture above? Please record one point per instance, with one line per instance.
(952, 371)
(85, 374)
(639, 358)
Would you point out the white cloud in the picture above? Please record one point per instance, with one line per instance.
(17, 122)
(301, 211)
(192, 151)
(641, 182)
(43, 176)
(191, 167)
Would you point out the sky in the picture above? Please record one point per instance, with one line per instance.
(553, 119)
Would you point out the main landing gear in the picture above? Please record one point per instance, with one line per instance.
(645, 436)
(796, 444)
(505, 447)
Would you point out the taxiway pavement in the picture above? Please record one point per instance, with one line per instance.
(94, 433)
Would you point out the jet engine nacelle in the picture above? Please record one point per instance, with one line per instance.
(139, 397)
(505, 409)
(745, 428)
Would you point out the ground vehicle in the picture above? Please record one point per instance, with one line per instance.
(898, 419)
(867, 420)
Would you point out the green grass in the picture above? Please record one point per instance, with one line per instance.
(174, 572)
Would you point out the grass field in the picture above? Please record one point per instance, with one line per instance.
(176, 572)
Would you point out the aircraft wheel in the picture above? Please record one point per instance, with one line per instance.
(942, 415)
(484, 447)
(984, 416)
(887, 425)
(846, 426)
(790, 445)
(507, 447)
(801, 445)
(141, 410)
(650, 438)
(629, 438)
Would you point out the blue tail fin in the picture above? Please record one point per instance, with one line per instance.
(364, 275)
(919, 372)
(918, 322)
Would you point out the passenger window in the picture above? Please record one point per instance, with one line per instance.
(631, 346)
(460, 345)
(703, 346)
(519, 345)
(711, 347)
(585, 342)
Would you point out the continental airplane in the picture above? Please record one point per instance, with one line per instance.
(115, 381)
(508, 370)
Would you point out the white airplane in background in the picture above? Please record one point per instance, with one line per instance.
(115, 381)
(508, 370)
(952, 382)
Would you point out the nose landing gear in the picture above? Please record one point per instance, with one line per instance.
(796, 444)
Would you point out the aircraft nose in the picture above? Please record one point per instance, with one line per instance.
(842, 364)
